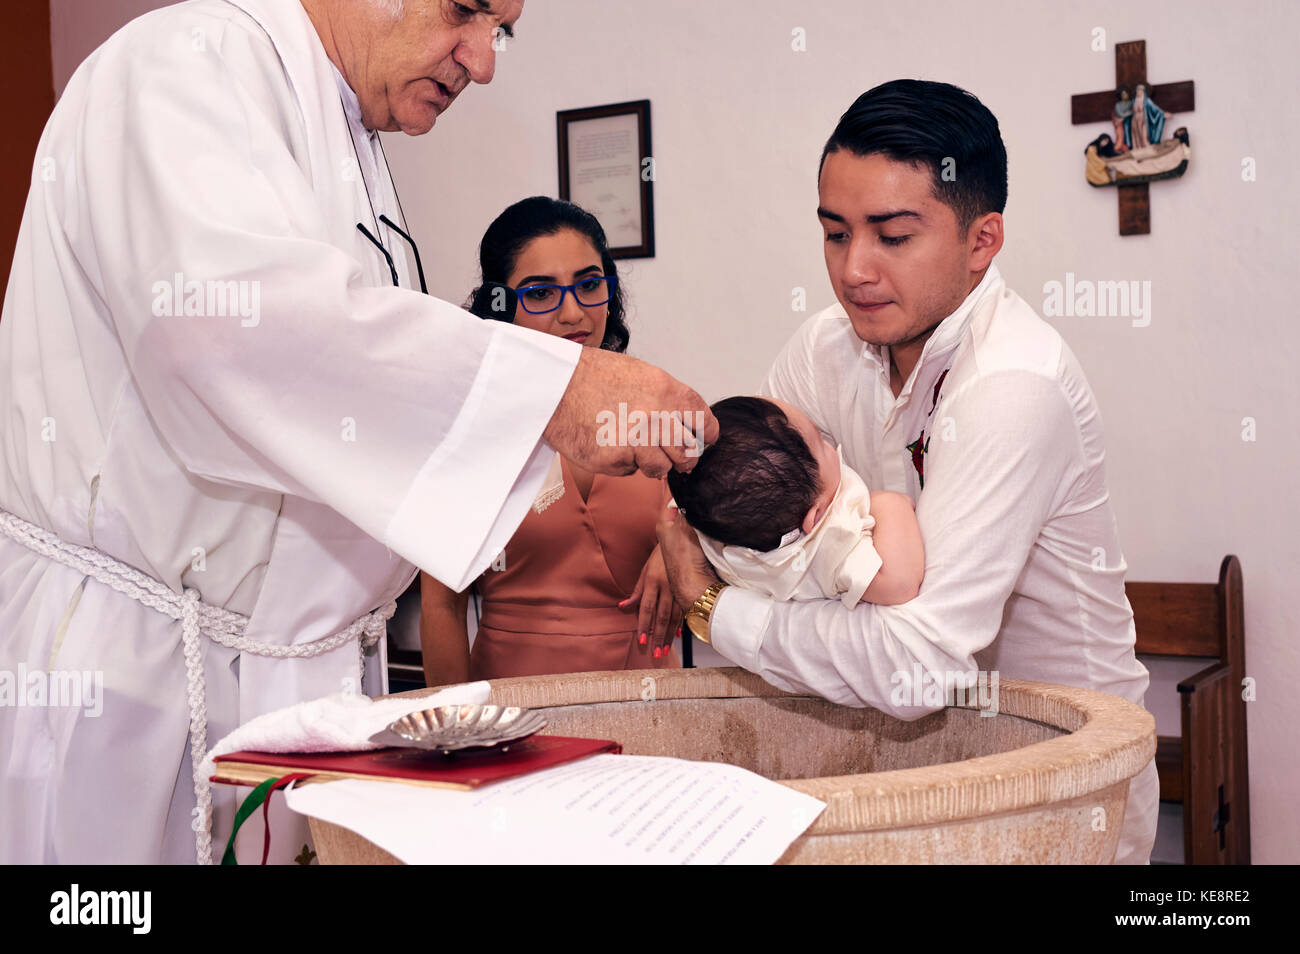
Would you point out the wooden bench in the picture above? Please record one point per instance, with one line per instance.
(1206, 767)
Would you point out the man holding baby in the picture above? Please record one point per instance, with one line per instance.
(937, 381)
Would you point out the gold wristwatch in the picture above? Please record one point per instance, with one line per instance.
(697, 617)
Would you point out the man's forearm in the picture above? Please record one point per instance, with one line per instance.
(444, 639)
(855, 657)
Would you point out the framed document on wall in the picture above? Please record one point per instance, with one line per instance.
(606, 167)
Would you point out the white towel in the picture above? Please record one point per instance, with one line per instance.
(343, 722)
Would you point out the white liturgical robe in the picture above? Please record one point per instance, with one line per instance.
(1023, 569)
(211, 378)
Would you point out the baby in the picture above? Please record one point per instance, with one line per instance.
(777, 510)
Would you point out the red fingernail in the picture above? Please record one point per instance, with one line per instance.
(642, 639)
(656, 652)
(624, 603)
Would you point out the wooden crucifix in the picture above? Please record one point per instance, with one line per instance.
(1131, 69)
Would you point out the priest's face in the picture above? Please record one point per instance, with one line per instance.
(417, 64)
(565, 258)
(894, 254)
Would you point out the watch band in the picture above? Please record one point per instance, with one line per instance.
(701, 611)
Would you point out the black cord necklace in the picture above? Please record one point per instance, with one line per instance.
(377, 218)
(361, 170)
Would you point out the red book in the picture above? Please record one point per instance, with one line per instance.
(412, 766)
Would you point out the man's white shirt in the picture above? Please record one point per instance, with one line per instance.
(1024, 573)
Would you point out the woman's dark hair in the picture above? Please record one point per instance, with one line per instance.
(755, 483)
(1105, 147)
(518, 225)
(937, 125)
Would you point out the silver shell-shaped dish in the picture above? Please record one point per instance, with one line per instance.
(453, 728)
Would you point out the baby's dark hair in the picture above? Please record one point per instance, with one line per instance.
(755, 483)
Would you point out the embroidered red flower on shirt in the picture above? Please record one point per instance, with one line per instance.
(918, 448)
(921, 446)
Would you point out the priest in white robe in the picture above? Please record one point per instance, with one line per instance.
(228, 439)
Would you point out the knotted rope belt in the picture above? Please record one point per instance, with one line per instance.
(197, 619)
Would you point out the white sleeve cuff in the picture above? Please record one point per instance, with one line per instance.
(475, 488)
(862, 565)
(736, 627)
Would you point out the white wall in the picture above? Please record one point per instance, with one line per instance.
(739, 119)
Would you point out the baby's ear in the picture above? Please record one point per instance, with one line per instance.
(815, 514)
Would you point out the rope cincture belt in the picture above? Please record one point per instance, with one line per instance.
(197, 619)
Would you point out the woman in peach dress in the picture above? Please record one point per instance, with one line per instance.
(581, 584)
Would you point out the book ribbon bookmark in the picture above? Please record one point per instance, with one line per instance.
(259, 796)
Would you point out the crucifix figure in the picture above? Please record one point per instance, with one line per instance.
(1130, 72)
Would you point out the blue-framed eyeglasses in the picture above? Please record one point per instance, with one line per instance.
(543, 299)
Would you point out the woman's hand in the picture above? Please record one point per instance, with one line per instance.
(659, 616)
(689, 571)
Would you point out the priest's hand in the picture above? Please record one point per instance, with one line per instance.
(689, 571)
(619, 415)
